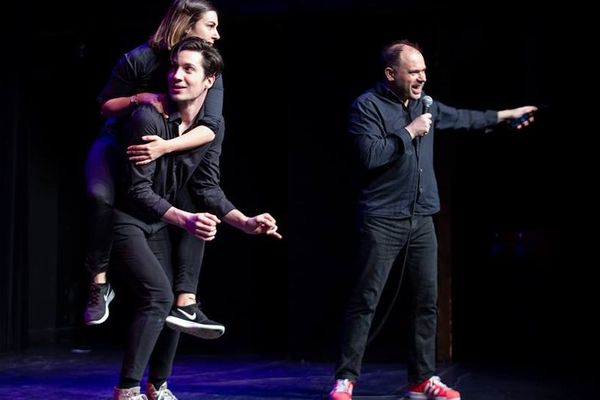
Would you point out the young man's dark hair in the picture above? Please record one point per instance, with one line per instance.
(212, 62)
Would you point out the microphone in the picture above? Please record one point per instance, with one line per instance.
(427, 102)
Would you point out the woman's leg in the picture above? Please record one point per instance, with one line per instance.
(99, 168)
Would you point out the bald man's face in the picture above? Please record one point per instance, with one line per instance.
(407, 77)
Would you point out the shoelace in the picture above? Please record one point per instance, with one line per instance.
(435, 380)
(95, 293)
(166, 394)
(162, 393)
(342, 385)
(140, 396)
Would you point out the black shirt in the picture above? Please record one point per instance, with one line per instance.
(150, 189)
(397, 177)
(144, 69)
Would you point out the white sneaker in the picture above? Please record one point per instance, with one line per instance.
(161, 394)
(129, 394)
(342, 390)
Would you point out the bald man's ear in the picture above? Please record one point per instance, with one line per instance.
(389, 74)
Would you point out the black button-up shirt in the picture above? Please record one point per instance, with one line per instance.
(151, 189)
(397, 177)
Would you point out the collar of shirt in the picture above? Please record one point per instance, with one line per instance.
(384, 90)
(175, 117)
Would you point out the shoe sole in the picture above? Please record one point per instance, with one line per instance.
(111, 296)
(420, 396)
(195, 329)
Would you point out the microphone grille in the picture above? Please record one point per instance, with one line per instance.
(427, 101)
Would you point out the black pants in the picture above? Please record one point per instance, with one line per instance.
(143, 252)
(381, 244)
(189, 250)
(101, 166)
(105, 160)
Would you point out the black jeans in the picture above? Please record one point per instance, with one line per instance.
(382, 242)
(104, 160)
(189, 250)
(143, 252)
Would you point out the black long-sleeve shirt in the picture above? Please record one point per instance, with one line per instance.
(150, 189)
(144, 69)
(397, 177)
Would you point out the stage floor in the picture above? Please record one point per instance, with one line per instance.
(61, 374)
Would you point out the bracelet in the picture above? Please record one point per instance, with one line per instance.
(134, 100)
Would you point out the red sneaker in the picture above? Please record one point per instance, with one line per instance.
(342, 390)
(432, 389)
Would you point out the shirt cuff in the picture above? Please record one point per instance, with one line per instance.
(405, 140)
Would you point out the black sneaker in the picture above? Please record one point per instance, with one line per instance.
(96, 310)
(191, 320)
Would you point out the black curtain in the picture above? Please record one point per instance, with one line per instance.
(13, 230)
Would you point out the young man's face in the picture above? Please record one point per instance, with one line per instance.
(187, 81)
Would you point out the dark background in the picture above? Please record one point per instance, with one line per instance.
(518, 201)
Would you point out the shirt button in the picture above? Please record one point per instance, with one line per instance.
(421, 190)
(421, 170)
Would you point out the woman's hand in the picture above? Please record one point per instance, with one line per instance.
(156, 100)
(142, 154)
